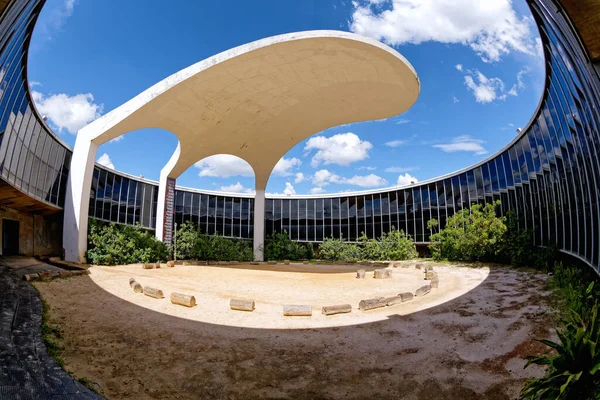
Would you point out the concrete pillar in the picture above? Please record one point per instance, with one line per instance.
(77, 199)
(259, 225)
(165, 209)
(160, 206)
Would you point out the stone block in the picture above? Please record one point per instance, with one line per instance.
(382, 273)
(31, 277)
(423, 290)
(406, 296)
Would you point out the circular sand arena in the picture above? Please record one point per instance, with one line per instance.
(272, 286)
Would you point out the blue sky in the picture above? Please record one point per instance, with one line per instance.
(479, 63)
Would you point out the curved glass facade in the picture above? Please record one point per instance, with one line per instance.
(549, 175)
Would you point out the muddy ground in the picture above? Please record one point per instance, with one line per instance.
(470, 347)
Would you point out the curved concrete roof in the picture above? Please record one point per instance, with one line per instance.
(258, 100)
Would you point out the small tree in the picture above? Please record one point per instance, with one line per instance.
(470, 235)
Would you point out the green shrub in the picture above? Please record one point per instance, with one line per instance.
(475, 234)
(112, 244)
(332, 249)
(280, 247)
(393, 245)
(574, 367)
(192, 244)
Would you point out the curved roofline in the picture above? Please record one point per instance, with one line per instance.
(297, 36)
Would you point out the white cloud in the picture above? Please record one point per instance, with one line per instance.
(289, 189)
(402, 121)
(463, 143)
(69, 113)
(285, 165)
(236, 188)
(368, 168)
(300, 177)
(406, 179)
(224, 166)
(400, 169)
(117, 139)
(57, 18)
(105, 160)
(459, 67)
(324, 177)
(367, 181)
(491, 28)
(487, 89)
(317, 190)
(455, 100)
(395, 143)
(341, 149)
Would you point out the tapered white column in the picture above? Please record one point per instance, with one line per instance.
(259, 225)
(77, 199)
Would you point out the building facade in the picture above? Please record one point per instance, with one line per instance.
(549, 175)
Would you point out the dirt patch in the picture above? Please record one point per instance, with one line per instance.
(137, 352)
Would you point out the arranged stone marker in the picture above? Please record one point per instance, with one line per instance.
(401, 298)
(371, 304)
(148, 266)
(170, 264)
(382, 273)
(152, 292)
(435, 282)
(406, 296)
(305, 262)
(272, 262)
(44, 275)
(430, 273)
(360, 274)
(137, 287)
(31, 277)
(157, 265)
(423, 290)
(286, 262)
(254, 263)
(338, 309)
(65, 274)
(183, 299)
(418, 266)
(131, 280)
(241, 305)
(297, 310)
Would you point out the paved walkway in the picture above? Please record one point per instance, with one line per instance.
(26, 369)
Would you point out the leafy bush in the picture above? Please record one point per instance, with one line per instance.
(574, 366)
(574, 369)
(112, 244)
(470, 235)
(332, 249)
(393, 245)
(281, 247)
(192, 244)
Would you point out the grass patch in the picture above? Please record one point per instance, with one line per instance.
(52, 337)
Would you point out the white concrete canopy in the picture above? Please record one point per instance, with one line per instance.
(256, 102)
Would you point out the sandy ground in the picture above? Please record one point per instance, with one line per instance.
(455, 343)
(273, 286)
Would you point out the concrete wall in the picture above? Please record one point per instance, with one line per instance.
(39, 235)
